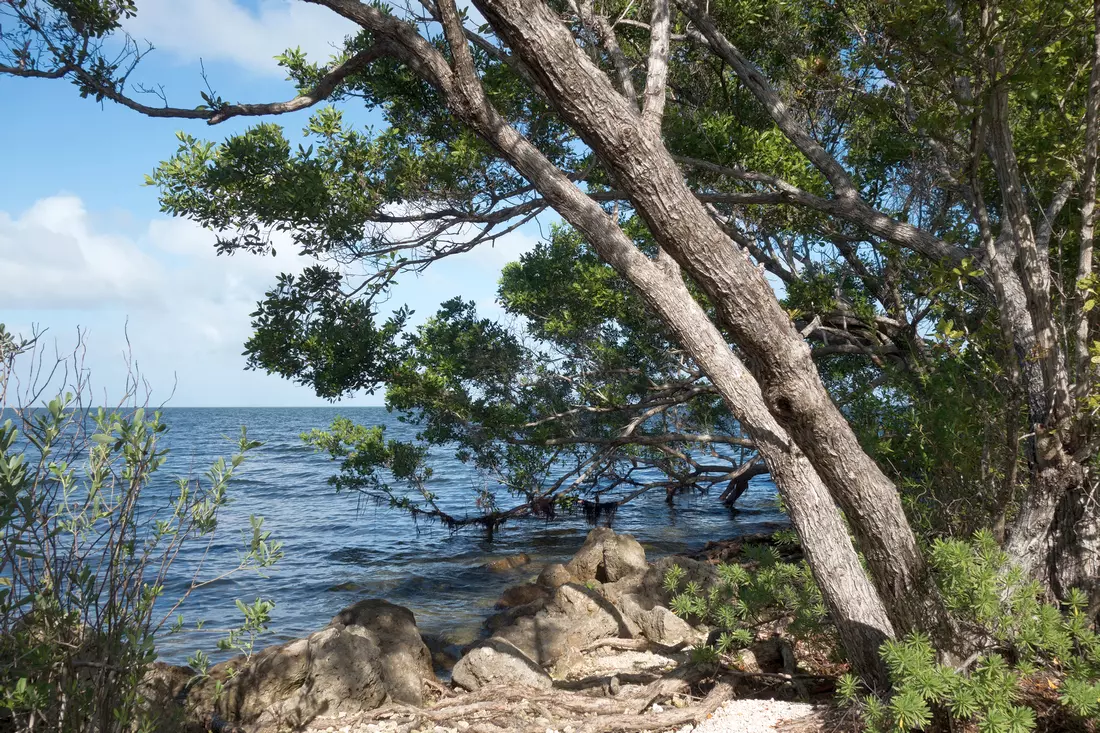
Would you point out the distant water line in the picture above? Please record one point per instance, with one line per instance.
(339, 550)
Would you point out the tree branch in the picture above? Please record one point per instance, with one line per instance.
(657, 71)
(1082, 362)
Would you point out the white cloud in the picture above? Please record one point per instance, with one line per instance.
(185, 309)
(54, 257)
(506, 249)
(226, 30)
(50, 258)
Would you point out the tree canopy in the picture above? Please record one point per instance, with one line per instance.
(854, 236)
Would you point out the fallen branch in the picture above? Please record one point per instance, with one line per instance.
(637, 645)
(658, 721)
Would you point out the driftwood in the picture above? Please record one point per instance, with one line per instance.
(526, 710)
(637, 645)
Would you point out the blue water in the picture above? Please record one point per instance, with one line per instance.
(333, 539)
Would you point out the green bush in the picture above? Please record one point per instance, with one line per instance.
(1018, 636)
(84, 559)
(761, 589)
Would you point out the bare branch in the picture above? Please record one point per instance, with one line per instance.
(657, 71)
(322, 91)
(605, 33)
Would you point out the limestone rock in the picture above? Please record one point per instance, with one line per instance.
(370, 652)
(522, 595)
(575, 617)
(496, 661)
(664, 627)
(163, 690)
(511, 562)
(607, 557)
(554, 576)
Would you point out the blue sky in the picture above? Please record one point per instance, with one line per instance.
(82, 240)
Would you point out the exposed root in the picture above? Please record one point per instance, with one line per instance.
(678, 681)
(604, 681)
(525, 710)
(667, 719)
(636, 645)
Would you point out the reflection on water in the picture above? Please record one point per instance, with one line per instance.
(339, 550)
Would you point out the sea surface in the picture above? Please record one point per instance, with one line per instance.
(340, 549)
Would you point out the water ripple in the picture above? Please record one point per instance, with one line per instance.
(334, 542)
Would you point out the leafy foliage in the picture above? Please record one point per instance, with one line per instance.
(757, 590)
(1021, 639)
(579, 401)
(84, 560)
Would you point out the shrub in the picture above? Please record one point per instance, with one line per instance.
(84, 558)
(760, 590)
(1019, 637)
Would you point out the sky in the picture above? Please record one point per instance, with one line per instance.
(83, 243)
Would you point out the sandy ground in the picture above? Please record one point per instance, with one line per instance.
(750, 716)
(735, 716)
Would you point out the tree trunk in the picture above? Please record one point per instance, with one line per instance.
(1074, 560)
(854, 605)
(779, 357)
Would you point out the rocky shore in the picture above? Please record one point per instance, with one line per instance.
(589, 645)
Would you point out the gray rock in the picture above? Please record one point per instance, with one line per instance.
(522, 595)
(554, 575)
(623, 556)
(504, 564)
(607, 557)
(575, 617)
(370, 652)
(163, 690)
(496, 661)
(664, 627)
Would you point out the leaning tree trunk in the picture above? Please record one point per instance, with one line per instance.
(780, 359)
(855, 607)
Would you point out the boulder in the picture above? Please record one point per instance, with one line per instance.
(664, 627)
(554, 576)
(371, 652)
(163, 690)
(511, 562)
(508, 616)
(164, 684)
(655, 622)
(575, 617)
(623, 556)
(498, 662)
(607, 590)
(522, 595)
(607, 557)
(405, 660)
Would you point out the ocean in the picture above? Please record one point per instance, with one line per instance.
(340, 549)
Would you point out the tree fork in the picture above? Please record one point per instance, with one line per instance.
(791, 386)
(858, 612)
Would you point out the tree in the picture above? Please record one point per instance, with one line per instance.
(917, 145)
